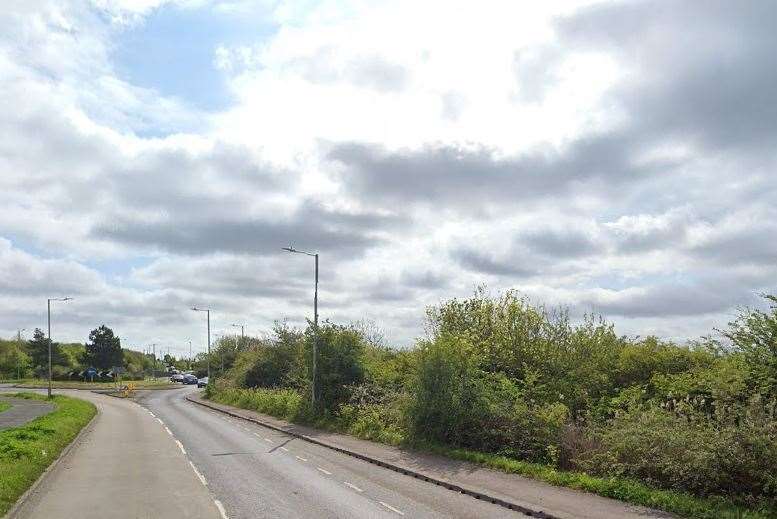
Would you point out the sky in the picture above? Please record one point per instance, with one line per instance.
(612, 157)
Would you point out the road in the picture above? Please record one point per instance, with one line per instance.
(257, 472)
(125, 465)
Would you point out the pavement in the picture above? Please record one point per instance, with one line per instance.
(125, 466)
(23, 411)
(529, 494)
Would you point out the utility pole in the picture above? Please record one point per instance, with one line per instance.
(190, 355)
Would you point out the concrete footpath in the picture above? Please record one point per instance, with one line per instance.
(531, 496)
(126, 466)
(22, 411)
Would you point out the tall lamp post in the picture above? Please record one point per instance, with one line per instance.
(242, 330)
(48, 301)
(315, 321)
(19, 352)
(206, 310)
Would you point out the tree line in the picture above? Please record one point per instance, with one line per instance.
(102, 351)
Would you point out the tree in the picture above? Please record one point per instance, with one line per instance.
(38, 349)
(103, 351)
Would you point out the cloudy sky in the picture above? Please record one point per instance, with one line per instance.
(614, 157)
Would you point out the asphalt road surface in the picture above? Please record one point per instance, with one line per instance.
(254, 472)
(126, 465)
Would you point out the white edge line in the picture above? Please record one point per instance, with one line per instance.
(160, 421)
(168, 430)
(180, 446)
(324, 471)
(202, 478)
(221, 509)
(353, 486)
(400, 512)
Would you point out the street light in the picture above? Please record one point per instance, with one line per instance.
(242, 330)
(315, 320)
(207, 310)
(19, 352)
(48, 301)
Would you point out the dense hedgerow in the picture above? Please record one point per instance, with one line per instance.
(502, 376)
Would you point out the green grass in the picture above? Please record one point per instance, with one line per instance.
(159, 383)
(4, 406)
(287, 405)
(26, 451)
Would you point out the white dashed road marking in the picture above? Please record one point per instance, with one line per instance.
(160, 421)
(180, 446)
(168, 431)
(353, 486)
(284, 449)
(268, 440)
(392, 508)
(301, 459)
(324, 471)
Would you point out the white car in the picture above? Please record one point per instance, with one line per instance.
(176, 378)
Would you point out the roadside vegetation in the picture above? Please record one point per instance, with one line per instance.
(688, 428)
(26, 451)
(4, 406)
(27, 361)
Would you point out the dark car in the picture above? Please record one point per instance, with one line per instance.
(189, 379)
(202, 382)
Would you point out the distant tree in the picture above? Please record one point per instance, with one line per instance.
(103, 351)
(38, 349)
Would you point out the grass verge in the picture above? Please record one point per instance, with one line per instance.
(26, 451)
(288, 405)
(4, 406)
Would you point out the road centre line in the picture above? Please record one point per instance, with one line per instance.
(284, 449)
(268, 440)
(301, 459)
(324, 471)
(160, 421)
(168, 430)
(180, 446)
(400, 512)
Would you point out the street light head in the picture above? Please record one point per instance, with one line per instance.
(289, 249)
(67, 299)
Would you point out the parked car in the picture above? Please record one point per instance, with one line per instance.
(202, 382)
(176, 378)
(189, 379)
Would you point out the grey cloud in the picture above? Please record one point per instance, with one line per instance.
(561, 244)
(671, 300)
(452, 176)
(481, 261)
(426, 279)
(311, 227)
(706, 70)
